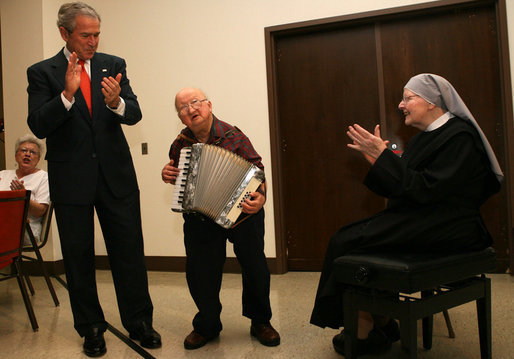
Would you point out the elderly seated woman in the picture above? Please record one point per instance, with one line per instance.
(434, 191)
(28, 150)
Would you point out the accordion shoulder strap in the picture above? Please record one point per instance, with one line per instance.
(241, 220)
(192, 141)
(188, 139)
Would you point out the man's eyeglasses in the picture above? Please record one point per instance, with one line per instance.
(406, 99)
(26, 150)
(195, 105)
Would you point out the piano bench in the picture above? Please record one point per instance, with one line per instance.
(388, 284)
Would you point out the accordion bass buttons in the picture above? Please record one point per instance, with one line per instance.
(245, 196)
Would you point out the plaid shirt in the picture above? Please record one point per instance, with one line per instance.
(223, 135)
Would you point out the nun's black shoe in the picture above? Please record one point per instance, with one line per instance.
(376, 343)
(391, 330)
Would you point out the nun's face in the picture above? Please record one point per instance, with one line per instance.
(416, 110)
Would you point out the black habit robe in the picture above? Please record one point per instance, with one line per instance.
(434, 192)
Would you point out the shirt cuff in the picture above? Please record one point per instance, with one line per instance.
(120, 110)
(67, 103)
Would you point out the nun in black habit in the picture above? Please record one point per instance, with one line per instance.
(434, 192)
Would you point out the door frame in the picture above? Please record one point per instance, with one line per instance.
(274, 32)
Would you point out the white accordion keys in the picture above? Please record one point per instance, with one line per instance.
(180, 181)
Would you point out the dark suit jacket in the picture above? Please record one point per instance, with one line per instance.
(78, 146)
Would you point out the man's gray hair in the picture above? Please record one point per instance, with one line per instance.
(66, 17)
(31, 139)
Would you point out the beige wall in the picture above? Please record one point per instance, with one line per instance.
(169, 44)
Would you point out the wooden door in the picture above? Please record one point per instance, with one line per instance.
(327, 81)
(327, 75)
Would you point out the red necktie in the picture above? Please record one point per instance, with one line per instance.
(85, 86)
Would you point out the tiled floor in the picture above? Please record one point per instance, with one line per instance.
(291, 296)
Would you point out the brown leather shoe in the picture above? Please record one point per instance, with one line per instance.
(266, 334)
(195, 340)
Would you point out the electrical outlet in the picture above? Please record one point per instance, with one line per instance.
(144, 148)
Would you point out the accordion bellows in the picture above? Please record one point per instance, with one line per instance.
(214, 181)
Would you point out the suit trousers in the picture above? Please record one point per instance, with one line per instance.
(120, 220)
(205, 243)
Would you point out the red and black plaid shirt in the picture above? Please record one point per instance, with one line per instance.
(222, 135)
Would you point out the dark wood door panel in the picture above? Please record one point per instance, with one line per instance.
(326, 82)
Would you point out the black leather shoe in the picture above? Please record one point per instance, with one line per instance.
(376, 343)
(94, 344)
(391, 330)
(266, 334)
(148, 337)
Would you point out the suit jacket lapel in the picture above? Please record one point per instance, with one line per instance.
(59, 65)
(97, 98)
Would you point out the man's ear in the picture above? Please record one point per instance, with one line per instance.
(64, 33)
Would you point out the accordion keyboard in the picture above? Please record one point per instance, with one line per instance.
(180, 182)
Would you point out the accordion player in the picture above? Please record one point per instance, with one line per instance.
(214, 182)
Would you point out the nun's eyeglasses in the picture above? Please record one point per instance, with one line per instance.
(406, 99)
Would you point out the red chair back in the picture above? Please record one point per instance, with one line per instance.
(14, 207)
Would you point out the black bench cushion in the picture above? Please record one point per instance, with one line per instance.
(411, 272)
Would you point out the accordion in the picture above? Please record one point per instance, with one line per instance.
(214, 182)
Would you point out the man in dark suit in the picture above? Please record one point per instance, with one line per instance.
(90, 167)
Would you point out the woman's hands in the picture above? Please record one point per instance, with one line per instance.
(17, 184)
(370, 145)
